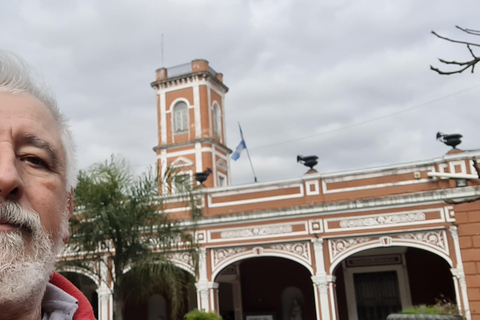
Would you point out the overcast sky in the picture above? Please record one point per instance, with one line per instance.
(348, 81)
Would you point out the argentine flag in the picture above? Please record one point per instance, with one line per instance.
(240, 147)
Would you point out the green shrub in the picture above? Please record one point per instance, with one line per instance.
(202, 315)
(443, 306)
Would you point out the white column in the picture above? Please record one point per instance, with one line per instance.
(198, 157)
(322, 282)
(459, 275)
(196, 108)
(209, 110)
(202, 284)
(105, 297)
(163, 164)
(213, 296)
(163, 117)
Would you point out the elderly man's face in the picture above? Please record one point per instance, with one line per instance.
(32, 161)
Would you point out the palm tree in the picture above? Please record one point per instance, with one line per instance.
(120, 221)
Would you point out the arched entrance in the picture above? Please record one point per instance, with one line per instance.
(272, 287)
(157, 304)
(86, 285)
(373, 283)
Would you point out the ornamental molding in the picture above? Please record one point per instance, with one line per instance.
(220, 255)
(338, 246)
(298, 251)
(434, 239)
(182, 259)
(385, 219)
(256, 231)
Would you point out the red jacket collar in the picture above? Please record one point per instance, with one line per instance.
(85, 311)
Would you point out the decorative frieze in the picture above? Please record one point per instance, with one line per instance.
(256, 231)
(435, 238)
(386, 219)
(337, 246)
(221, 254)
(300, 249)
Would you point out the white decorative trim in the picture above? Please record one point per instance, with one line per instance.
(256, 231)
(316, 226)
(297, 251)
(434, 238)
(382, 220)
(190, 151)
(182, 162)
(224, 177)
(222, 164)
(431, 240)
(300, 249)
(219, 255)
(338, 246)
(209, 112)
(402, 218)
(372, 186)
(197, 112)
(163, 118)
(441, 169)
(212, 196)
(458, 163)
(316, 187)
(198, 157)
(459, 275)
(201, 236)
(449, 214)
(183, 260)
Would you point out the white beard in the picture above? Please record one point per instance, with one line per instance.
(27, 259)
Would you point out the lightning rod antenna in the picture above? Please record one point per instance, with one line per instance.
(162, 51)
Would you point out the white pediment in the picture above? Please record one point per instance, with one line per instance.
(182, 162)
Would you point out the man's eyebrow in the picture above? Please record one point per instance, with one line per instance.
(32, 140)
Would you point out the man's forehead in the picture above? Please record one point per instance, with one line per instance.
(31, 122)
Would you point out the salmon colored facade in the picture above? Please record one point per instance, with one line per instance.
(354, 245)
(413, 229)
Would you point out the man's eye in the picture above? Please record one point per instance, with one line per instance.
(36, 161)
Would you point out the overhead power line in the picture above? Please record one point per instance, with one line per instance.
(366, 121)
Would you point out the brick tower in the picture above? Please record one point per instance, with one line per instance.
(191, 121)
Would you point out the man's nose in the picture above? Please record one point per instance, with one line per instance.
(11, 185)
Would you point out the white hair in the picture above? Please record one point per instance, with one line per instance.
(16, 76)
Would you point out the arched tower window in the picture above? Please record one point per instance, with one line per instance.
(217, 120)
(180, 117)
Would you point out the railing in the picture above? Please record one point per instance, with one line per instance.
(179, 70)
(213, 72)
(185, 68)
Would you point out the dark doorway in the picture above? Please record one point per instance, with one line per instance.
(377, 295)
(266, 286)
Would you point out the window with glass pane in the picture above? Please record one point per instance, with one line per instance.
(180, 117)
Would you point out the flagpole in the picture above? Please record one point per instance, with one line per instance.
(248, 154)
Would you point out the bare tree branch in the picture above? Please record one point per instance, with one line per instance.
(456, 41)
(463, 65)
(470, 31)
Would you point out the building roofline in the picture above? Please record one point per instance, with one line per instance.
(423, 163)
